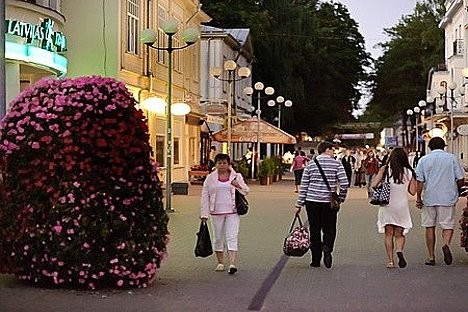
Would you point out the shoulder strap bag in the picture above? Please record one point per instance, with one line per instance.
(381, 194)
(334, 197)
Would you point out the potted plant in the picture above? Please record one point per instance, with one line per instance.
(277, 169)
(270, 168)
(263, 173)
(241, 167)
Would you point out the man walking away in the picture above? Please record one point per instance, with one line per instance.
(315, 195)
(439, 175)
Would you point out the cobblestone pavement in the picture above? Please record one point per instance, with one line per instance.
(269, 281)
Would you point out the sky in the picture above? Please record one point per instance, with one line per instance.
(375, 15)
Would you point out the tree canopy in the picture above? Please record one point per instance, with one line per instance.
(310, 51)
(416, 44)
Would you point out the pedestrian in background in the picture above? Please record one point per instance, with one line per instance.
(218, 201)
(211, 158)
(348, 162)
(311, 155)
(439, 176)
(371, 163)
(360, 170)
(394, 219)
(315, 196)
(384, 158)
(298, 164)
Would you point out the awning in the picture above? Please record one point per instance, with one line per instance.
(246, 132)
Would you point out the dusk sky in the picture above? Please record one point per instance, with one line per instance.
(375, 15)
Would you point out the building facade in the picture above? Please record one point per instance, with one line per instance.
(446, 89)
(35, 43)
(219, 45)
(104, 39)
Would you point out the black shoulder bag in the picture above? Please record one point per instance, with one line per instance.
(334, 197)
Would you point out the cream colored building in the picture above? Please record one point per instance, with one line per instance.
(104, 39)
(219, 45)
(35, 45)
(451, 107)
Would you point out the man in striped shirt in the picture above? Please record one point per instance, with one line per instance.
(315, 195)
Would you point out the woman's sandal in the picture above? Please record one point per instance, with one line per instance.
(430, 262)
(390, 265)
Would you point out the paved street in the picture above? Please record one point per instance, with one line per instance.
(267, 280)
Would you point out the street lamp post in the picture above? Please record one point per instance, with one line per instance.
(280, 100)
(259, 87)
(416, 110)
(442, 90)
(230, 67)
(149, 38)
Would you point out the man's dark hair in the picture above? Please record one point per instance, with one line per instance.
(436, 143)
(222, 157)
(323, 146)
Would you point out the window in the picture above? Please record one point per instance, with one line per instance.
(177, 54)
(195, 65)
(160, 150)
(176, 151)
(162, 37)
(133, 23)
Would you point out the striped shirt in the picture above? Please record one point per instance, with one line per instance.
(313, 188)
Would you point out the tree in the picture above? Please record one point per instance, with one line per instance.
(416, 44)
(311, 52)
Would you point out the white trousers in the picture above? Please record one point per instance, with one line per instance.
(226, 228)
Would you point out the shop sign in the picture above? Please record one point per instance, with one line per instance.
(44, 34)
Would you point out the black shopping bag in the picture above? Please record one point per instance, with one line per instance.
(203, 246)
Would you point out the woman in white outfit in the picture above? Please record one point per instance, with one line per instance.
(218, 200)
(394, 219)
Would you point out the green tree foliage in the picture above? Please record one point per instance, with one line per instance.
(310, 51)
(416, 44)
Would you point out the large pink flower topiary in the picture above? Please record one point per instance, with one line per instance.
(81, 203)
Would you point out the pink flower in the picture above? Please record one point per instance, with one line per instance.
(85, 245)
(114, 261)
(35, 145)
(120, 283)
(58, 229)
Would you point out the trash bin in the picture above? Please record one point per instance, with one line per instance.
(180, 188)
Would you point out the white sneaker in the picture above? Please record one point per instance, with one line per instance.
(219, 267)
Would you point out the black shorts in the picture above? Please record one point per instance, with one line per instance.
(298, 176)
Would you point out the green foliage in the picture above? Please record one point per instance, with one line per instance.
(241, 166)
(277, 165)
(270, 166)
(311, 52)
(416, 44)
(263, 169)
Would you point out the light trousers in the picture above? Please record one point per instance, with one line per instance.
(226, 229)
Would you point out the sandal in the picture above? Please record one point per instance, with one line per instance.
(390, 265)
(430, 262)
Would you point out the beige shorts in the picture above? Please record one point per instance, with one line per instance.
(442, 215)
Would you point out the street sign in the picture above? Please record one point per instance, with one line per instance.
(354, 136)
(390, 142)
